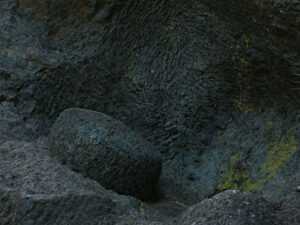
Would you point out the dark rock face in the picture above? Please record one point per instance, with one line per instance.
(101, 148)
(196, 79)
(231, 208)
(214, 85)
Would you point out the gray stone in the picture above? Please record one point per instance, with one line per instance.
(198, 81)
(212, 84)
(104, 149)
(231, 208)
(37, 190)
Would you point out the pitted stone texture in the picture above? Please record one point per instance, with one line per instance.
(104, 149)
(231, 208)
(37, 190)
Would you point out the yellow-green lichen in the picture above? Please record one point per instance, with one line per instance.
(142, 210)
(235, 179)
(278, 153)
(248, 78)
(268, 126)
(247, 41)
(244, 66)
(244, 105)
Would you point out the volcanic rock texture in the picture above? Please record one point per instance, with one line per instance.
(213, 85)
(105, 150)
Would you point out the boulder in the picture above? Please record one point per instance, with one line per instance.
(104, 149)
(37, 190)
(231, 208)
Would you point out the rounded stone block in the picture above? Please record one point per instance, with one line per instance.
(104, 149)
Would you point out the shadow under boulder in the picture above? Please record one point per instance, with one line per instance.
(102, 148)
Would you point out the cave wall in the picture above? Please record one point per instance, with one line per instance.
(212, 84)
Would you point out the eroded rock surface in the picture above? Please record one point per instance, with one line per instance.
(37, 190)
(214, 85)
(104, 149)
(231, 208)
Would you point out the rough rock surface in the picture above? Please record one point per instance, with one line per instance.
(214, 85)
(37, 190)
(231, 208)
(182, 74)
(104, 149)
(201, 80)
